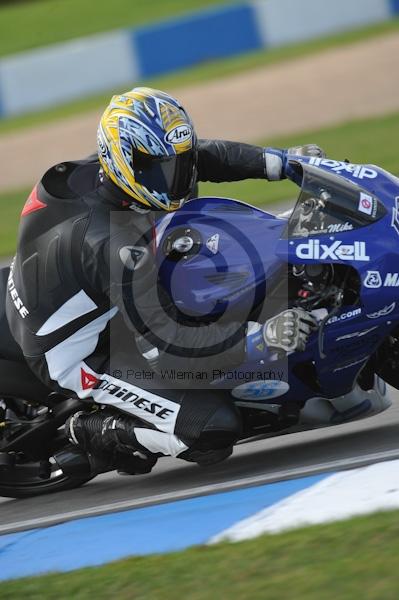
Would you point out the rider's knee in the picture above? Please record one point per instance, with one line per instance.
(222, 429)
(215, 439)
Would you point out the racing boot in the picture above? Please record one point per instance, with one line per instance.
(109, 440)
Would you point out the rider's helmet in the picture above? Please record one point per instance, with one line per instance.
(148, 147)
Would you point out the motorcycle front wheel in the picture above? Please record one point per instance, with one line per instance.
(27, 479)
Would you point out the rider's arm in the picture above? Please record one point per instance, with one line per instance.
(220, 160)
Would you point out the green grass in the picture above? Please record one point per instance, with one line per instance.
(32, 24)
(364, 141)
(350, 560)
(10, 208)
(201, 73)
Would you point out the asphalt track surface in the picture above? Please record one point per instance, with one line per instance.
(366, 441)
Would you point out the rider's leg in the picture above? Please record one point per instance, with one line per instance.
(205, 429)
(196, 425)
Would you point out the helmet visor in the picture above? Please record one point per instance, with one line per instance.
(172, 175)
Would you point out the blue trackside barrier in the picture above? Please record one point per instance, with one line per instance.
(395, 7)
(44, 77)
(190, 40)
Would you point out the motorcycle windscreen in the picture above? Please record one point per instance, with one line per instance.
(172, 175)
(331, 204)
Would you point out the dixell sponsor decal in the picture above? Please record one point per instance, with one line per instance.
(314, 249)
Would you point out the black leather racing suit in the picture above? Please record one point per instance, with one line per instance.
(84, 259)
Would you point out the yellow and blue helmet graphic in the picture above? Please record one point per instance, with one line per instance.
(148, 147)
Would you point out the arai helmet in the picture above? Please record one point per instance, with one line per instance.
(148, 147)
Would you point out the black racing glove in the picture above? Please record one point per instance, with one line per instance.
(288, 331)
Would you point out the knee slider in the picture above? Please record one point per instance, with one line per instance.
(209, 426)
(216, 438)
(221, 430)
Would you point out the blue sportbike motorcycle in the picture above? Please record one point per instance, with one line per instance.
(336, 254)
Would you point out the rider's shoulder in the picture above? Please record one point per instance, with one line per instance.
(70, 179)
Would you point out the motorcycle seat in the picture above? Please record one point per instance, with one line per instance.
(9, 348)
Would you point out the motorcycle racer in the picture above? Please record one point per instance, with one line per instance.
(86, 255)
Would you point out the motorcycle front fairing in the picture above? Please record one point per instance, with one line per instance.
(218, 254)
(344, 217)
(380, 280)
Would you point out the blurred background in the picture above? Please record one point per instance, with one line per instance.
(273, 72)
